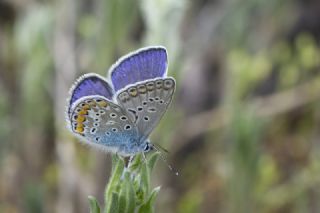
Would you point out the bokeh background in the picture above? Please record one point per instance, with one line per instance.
(243, 129)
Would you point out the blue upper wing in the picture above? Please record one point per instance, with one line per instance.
(90, 84)
(144, 64)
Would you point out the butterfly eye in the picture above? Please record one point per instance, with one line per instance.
(146, 148)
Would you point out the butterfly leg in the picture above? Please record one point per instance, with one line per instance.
(144, 157)
(130, 161)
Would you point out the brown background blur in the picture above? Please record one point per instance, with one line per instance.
(244, 126)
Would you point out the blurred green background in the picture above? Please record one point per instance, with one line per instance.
(244, 126)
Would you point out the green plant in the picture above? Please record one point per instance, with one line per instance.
(128, 189)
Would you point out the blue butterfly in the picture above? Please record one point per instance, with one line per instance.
(118, 115)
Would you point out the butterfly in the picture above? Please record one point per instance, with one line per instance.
(119, 113)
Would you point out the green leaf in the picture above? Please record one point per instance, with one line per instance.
(114, 180)
(123, 201)
(129, 188)
(152, 160)
(147, 207)
(136, 163)
(113, 205)
(131, 195)
(145, 179)
(127, 201)
(140, 196)
(94, 205)
(115, 160)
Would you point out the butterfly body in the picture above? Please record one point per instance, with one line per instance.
(119, 117)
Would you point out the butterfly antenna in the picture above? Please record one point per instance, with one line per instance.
(159, 149)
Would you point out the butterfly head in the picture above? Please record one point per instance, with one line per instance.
(147, 146)
(134, 147)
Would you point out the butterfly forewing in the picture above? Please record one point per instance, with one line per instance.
(101, 122)
(144, 64)
(89, 84)
(146, 102)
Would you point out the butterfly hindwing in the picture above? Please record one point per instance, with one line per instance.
(146, 102)
(101, 122)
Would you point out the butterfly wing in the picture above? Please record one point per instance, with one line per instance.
(101, 123)
(89, 84)
(146, 102)
(144, 64)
